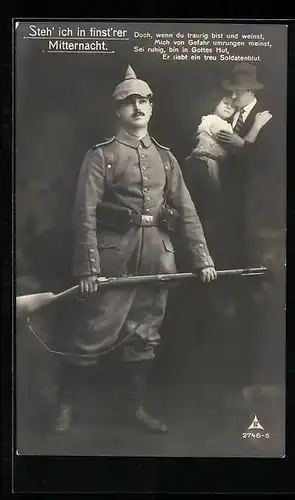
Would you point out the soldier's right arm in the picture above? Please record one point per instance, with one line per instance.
(89, 193)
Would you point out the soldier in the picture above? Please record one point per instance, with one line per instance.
(130, 198)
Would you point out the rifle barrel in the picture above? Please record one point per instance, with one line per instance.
(114, 282)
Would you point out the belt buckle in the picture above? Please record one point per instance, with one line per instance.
(147, 220)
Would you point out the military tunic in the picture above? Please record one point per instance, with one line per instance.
(138, 183)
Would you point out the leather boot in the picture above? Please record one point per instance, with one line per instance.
(137, 375)
(67, 384)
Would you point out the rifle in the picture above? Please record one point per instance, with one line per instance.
(28, 304)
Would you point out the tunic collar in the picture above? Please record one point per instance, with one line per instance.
(130, 140)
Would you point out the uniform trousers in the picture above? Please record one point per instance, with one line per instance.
(131, 315)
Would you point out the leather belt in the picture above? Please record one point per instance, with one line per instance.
(144, 220)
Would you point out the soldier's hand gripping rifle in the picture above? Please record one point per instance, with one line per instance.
(28, 304)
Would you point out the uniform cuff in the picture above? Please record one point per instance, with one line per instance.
(87, 262)
(201, 256)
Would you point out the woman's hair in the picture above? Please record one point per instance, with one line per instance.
(214, 99)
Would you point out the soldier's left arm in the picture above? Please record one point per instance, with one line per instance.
(190, 225)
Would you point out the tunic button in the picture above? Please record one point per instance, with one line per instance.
(92, 260)
(147, 210)
(95, 270)
(148, 198)
(91, 250)
(142, 156)
(109, 166)
(145, 178)
(166, 167)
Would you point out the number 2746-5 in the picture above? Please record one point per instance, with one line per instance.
(255, 435)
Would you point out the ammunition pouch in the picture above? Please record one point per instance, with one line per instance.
(169, 219)
(111, 216)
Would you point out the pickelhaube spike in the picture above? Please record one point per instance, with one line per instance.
(130, 74)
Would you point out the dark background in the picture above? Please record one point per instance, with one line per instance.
(63, 107)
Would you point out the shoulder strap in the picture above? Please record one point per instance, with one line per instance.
(109, 162)
(164, 153)
(107, 141)
(164, 148)
(109, 165)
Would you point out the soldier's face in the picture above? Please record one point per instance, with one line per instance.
(135, 111)
(242, 98)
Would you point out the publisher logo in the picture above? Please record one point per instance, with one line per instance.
(255, 424)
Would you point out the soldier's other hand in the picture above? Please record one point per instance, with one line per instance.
(208, 274)
(224, 136)
(230, 138)
(88, 284)
(262, 118)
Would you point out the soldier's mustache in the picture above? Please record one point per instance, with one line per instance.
(138, 113)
